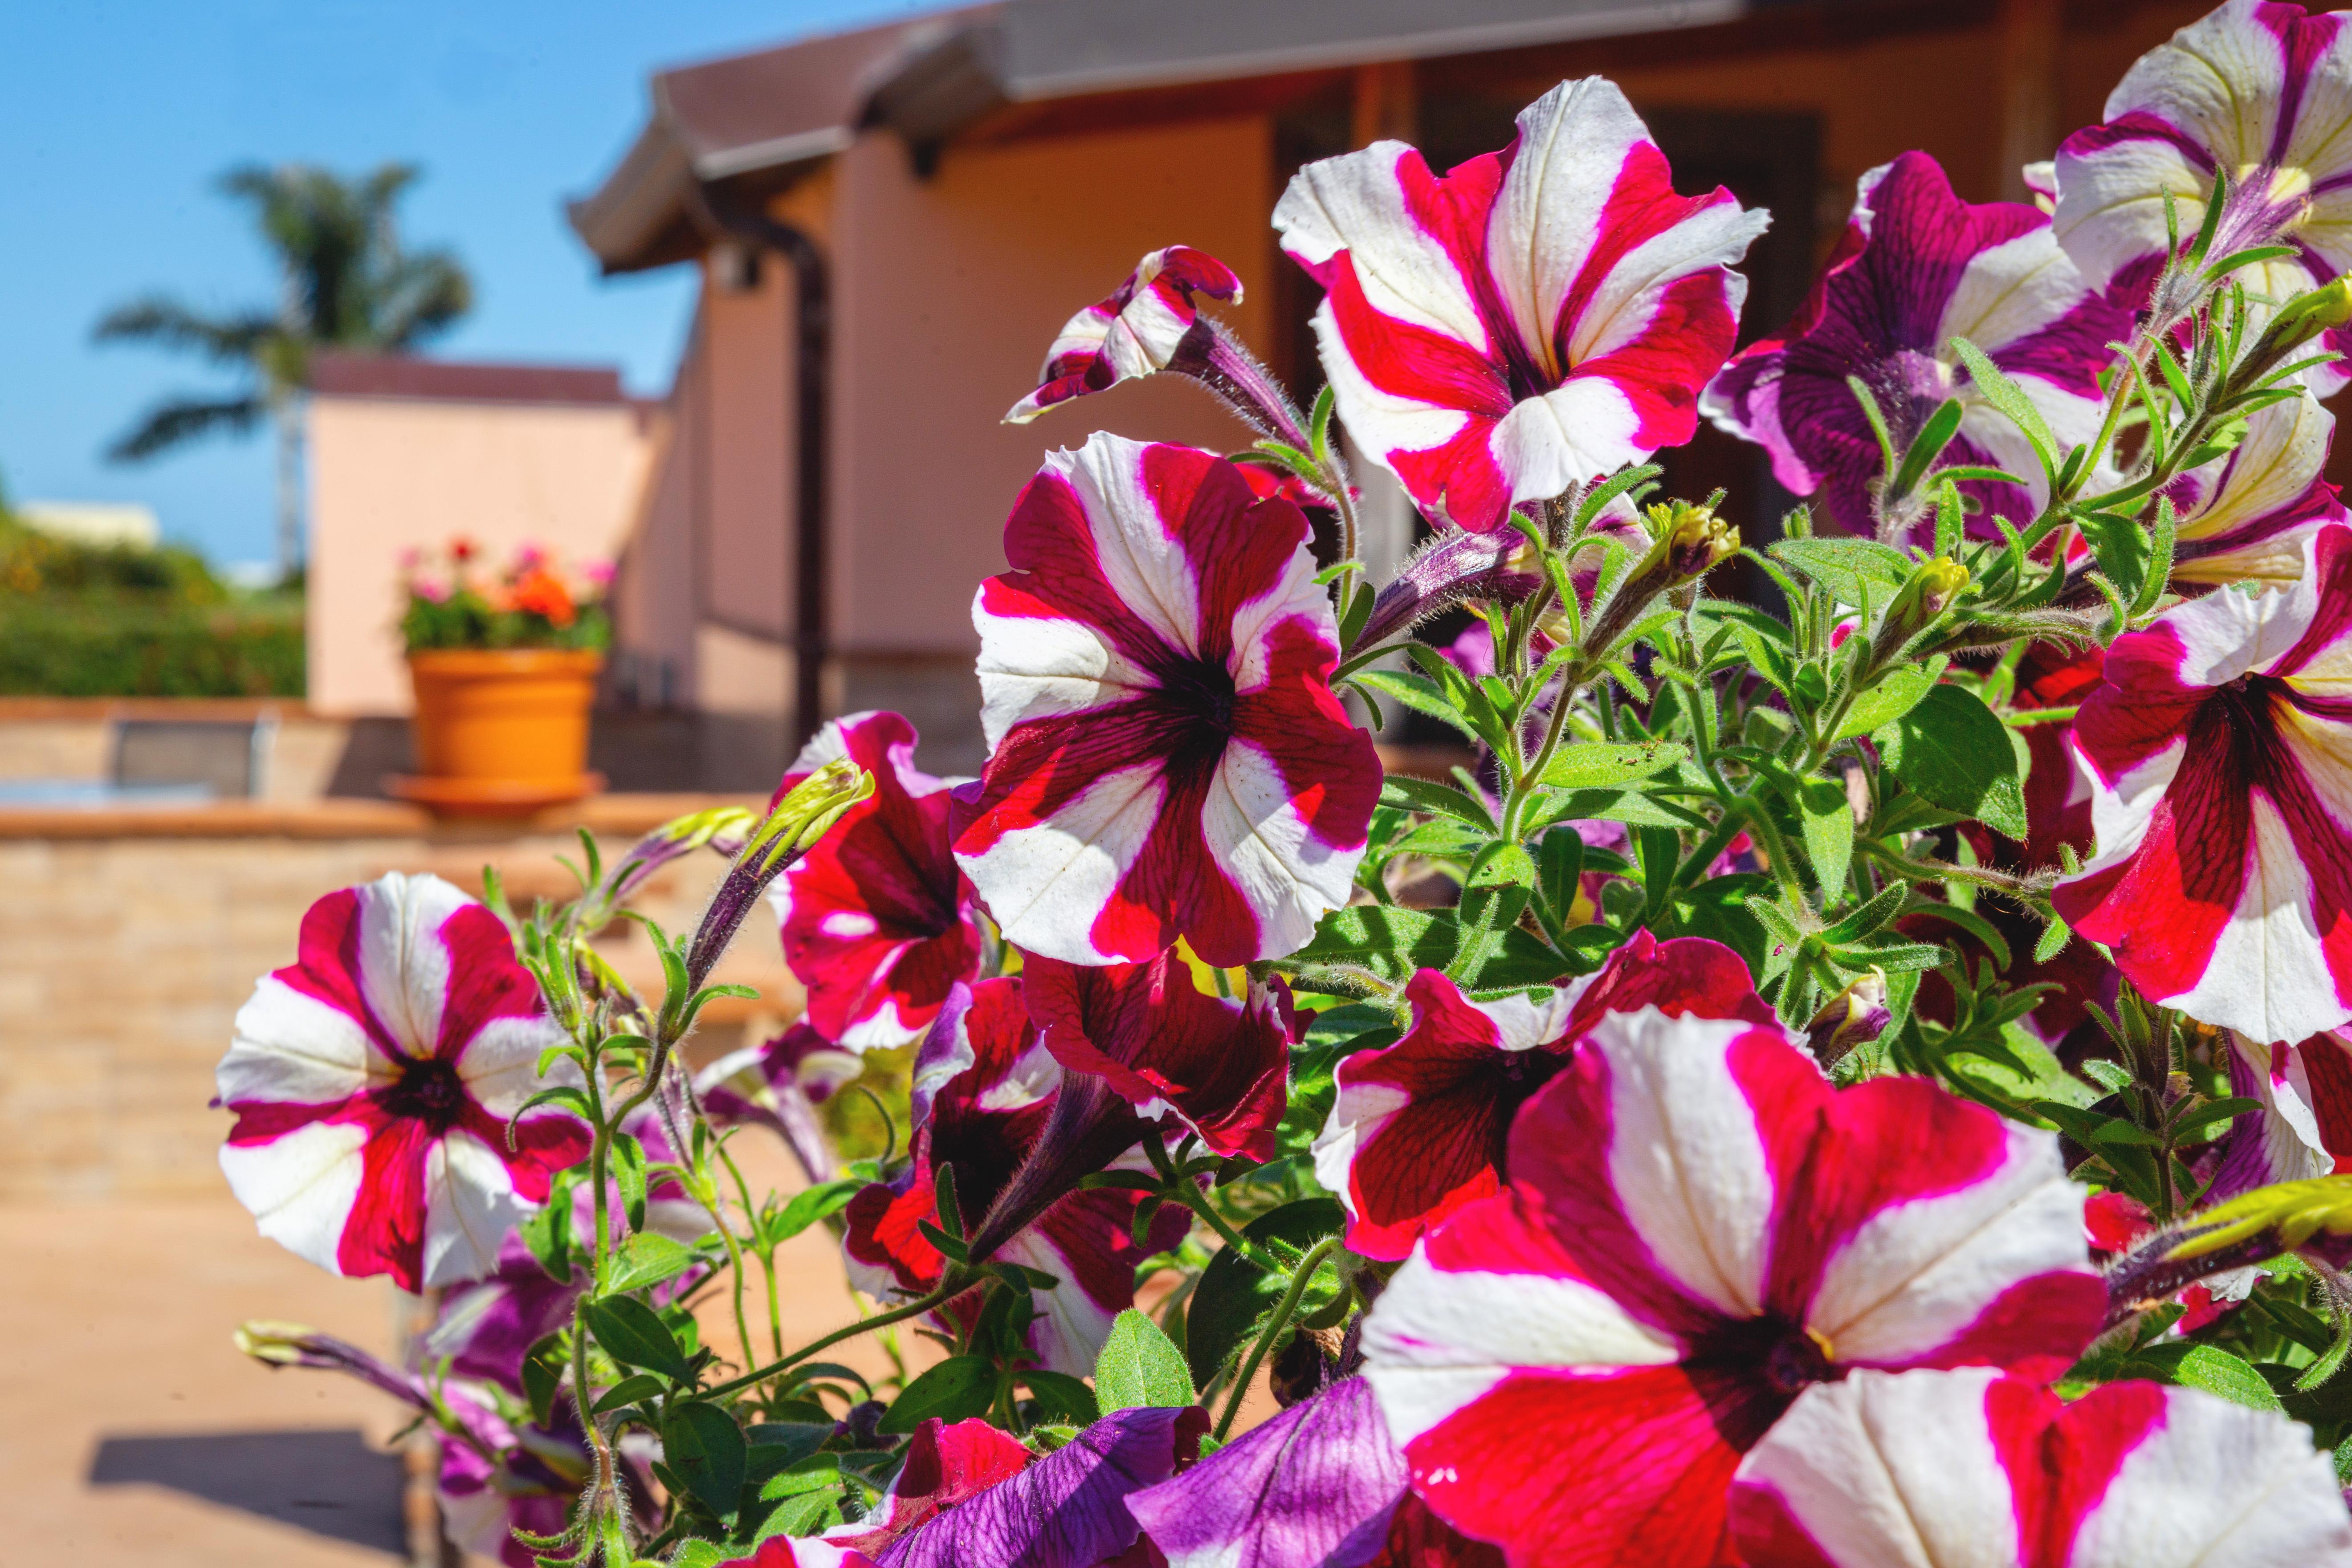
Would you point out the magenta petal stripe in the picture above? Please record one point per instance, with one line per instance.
(1528, 321)
(2259, 88)
(1889, 1471)
(1167, 757)
(1698, 1228)
(373, 1081)
(2216, 745)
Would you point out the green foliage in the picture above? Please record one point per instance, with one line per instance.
(51, 648)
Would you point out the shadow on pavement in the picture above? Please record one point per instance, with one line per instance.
(327, 1482)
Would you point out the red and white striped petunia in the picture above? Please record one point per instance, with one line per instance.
(2255, 90)
(1971, 1467)
(878, 922)
(1418, 1129)
(1532, 318)
(1698, 1228)
(1150, 324)
(2217, 744)
(373, 1081)
(1167, 757)
(983, 1121)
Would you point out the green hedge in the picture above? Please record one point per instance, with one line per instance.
(60, 647)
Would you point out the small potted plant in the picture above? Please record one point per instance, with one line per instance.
(504, 664)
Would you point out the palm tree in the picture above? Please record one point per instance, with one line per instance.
(345, 283)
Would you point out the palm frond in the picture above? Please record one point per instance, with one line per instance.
(182, 419)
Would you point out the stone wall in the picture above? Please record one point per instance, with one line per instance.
(128, 940)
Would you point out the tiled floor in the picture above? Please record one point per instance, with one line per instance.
(133, 1432)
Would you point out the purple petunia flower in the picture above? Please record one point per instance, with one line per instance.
(1917, 267)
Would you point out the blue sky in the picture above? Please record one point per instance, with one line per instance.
(118, 114)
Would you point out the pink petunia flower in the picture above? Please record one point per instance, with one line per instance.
(984, 1122)
(1419, 1129)
(1167, 757)
(2246, 516)
(878, 922)
(1917, 267)
(1699, 1227)
(2254, 89)
(373, 1079)
(1884, 1471)
(1150, 323)
(2216, 746)
(1533, 319)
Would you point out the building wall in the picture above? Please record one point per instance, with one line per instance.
(950, 289)
(130, 956)
(392, 473)
(946, 292)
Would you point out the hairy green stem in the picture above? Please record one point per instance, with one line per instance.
(1283, 1312)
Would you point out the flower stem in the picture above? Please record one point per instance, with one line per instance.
(954, 1285)
(1283, 1312)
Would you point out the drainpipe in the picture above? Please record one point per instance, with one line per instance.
(810, 352)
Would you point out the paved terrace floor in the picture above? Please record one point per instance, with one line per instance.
(137, 1436)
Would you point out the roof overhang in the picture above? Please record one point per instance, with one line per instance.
(1036, 51)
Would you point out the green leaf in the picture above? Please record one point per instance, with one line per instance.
(1928, 445)
(1601, 764)
(1427, 794)
(1717, 909)
(548, 1234)
(1392, 944)
(1629, 806)
(648, 1259)
(958, 1387)
(702, 1444)
(1060, 1395)
(542, 1374)
(628, 1391)
(1139, 1367)
(1894, 694)
(1951, 751)
(2216, 1371)
(811, 1204)
(628, 1168)
(1827, 821)
(1422, 696)
(634, 1334)
(1234, 1293)
(2121, 548)
(1842, 565)
(2006, 396)
(699, 1554)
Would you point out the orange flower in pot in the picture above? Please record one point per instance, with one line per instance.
(505, 674)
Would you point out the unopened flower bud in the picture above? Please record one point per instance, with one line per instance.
(1691, 541)
(1930, 591)
(1855, 1017)
(792, 828)
(2305, 317)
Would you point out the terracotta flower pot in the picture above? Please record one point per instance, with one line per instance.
(500, 731)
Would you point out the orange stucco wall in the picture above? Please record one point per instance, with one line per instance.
(950, 290)
(390, 474)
